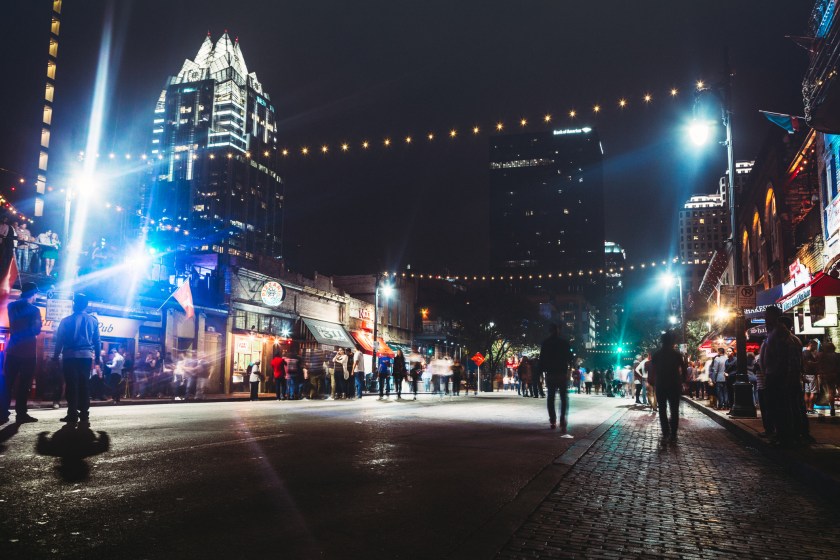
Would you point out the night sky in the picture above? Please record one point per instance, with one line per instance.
(339, 70)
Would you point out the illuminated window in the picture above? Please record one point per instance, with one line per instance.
(51, 70)
(48, 94)
(702, 221)
(54, 27)
(53, 48)
(45, 137)
(47, 115)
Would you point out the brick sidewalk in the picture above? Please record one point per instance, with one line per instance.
(708, 496)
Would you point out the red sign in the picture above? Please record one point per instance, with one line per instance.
(478, 359)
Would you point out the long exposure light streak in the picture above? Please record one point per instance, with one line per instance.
(87, 182)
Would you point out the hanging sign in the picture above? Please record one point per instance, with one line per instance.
(272, 294)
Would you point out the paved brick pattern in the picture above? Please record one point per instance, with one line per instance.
(707, 496)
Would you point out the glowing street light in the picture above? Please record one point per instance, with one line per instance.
(699, 131)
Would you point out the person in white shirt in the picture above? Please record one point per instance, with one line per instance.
(115, 366)
(359, 372)
(641, 380)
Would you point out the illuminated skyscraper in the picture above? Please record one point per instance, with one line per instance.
(214, 141)
(44, 153)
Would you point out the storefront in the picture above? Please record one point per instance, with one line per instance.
(813, 305)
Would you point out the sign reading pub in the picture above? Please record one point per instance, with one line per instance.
(272, 294)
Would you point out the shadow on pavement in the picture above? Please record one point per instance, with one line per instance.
(73, 445)
(8, 433)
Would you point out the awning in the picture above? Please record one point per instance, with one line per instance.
(763, 300)
(822, 285)
(331, 334)
(365, 340)
(714, 272)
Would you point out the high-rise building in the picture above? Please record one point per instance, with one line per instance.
(704, 226)
(547, 204)
(46, 121)
(214, 141)
(704, 219)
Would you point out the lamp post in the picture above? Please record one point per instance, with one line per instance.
(743, 403)
(669, 280)
(387, 290)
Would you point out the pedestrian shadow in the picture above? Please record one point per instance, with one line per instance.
(72, 446)
(6, 434)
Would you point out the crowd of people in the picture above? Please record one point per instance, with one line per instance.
(33, 253)
(344, 376)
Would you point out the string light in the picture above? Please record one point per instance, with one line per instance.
(612, 271)
(623, 103)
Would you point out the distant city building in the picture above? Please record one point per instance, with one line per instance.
(703, 227)
(46, 121)
(612, 310)
(704, 219)
(547, 202)
(216, 185)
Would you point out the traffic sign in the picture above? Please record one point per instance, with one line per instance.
(478, 359)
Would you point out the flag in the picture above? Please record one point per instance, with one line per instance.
(788, 122)
(183, 295)
(9, 278)
(6, 284)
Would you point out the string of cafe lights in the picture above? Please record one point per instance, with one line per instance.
(647, 265)
(387, 142)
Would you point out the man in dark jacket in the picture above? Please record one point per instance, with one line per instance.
(77, 342)
(668, 368)
(555, 358)
(24, 327)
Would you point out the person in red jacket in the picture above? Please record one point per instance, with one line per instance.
(279, 367)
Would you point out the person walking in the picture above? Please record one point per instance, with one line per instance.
(458, 374)
(339, 374)
(555, 360)
(718, 375)
(278, 369)
(19, 367)
(828, 372)
(414, 376)
(399, 372)
(383, 374)
(254, 378)
(359, 372)
(669, 370)
(202, 375)
(77, 342)
(294, 375)
(116, 361)
(588, 377)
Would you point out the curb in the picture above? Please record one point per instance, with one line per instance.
(818, 479)
(489, 538)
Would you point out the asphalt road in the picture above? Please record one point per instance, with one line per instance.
(306, 479)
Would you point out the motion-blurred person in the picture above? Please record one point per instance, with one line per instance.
(359, 372)
(254, 378)
(77, 341)
(399, 372)
(116, 362)
(457, 374)
(19, 366)
(383, 376)
(555, 360)
(828, 372)
(668, 367)
(337, 374)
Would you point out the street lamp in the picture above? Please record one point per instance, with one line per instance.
(668, 280)
(743, 404)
